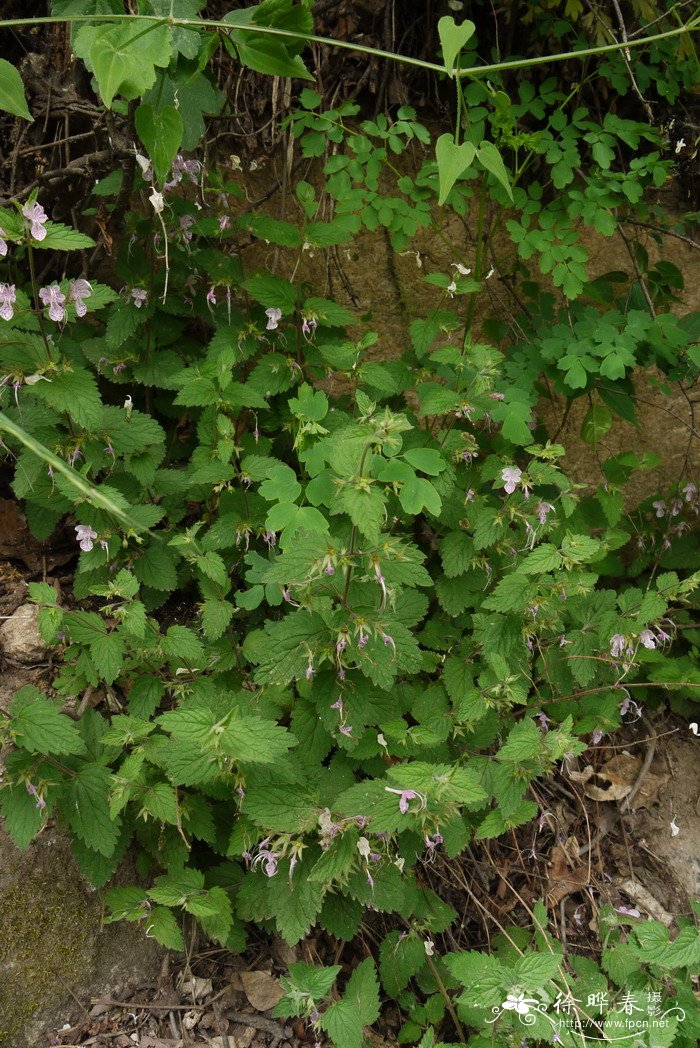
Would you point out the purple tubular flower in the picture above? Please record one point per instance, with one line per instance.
(211, 297)
(432, 842)
(596, 737)
(309, 325)
(617, 645)
(309, 672)
(85, 535)
(405, 797)
(54, 298)
(36, 216)
(8, 298)
(511, 478)
(648, 639)
(346, 729)
(185, 222)
(3, 243)
(274, 316)
(80, 290)
(381, 581)
(139, 297)
(182, 167)
(542, 509)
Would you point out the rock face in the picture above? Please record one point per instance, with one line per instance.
(20, 640)
(53, 947)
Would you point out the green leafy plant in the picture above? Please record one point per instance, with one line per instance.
(401, 612)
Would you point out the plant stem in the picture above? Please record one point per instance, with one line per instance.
(494, 67)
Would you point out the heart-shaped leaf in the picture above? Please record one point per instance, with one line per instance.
(453, 37)
(452, 161)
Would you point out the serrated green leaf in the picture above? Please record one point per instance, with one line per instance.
(21, 817)
(124, 58)
(544, 557)
(400, 958)
(108, 655)
(523, 743)
(162, 925)
(283, 809)
(296, 901)
(86, 809)
(38, 726)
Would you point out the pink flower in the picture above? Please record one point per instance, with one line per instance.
(223, 223)
(185, 222)
(405, 796)
(85, 535)
(211, 297)
(617, 645)
(346, 729)
(648, 639)
(79, 291)
(542, 509)
(182, 167)
(54, 298)
(3, 243)
(139, 297)
(511, 478)
(274, 316)
(309, 325)
(660, 507)
(36, 216)
(7, 301)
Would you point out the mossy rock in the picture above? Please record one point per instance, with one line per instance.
(53, 945)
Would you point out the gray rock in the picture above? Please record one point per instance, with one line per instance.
(20, 639)
(53, 945)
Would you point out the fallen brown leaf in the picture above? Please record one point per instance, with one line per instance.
(262, 990)
(564, 881)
